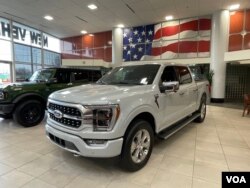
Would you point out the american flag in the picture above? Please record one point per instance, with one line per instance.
(172, 39)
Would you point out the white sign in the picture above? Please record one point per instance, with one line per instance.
(26, 35)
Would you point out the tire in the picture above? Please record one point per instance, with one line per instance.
(202, 110)
(29, 113)
(135, 153)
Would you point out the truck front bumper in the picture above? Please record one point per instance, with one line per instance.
(6, 108)
(77, 145)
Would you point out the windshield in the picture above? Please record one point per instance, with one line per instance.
(131, 75)
(42, 75)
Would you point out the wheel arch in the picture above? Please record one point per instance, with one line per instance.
(147, 116)
(29, 96)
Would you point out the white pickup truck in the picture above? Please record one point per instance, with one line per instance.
(123, 112)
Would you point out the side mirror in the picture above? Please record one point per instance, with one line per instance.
(169, 86)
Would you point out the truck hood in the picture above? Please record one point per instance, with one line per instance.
(19, 85)
(93, 94)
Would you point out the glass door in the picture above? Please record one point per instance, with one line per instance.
(5, 73)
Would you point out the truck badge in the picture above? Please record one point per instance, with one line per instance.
(58, 114)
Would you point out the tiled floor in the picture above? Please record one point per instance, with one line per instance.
(194, 157)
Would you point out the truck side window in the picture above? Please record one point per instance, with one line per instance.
(169, 75)
(62, 77)
(184, 75)
(96, 75)
(80, 76)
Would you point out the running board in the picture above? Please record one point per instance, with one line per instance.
(169, 131)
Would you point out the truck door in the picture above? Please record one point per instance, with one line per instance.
(170, 103)
(188, 90)
(62, 80)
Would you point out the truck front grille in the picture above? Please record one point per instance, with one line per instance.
(66, 121)
(72, 111)
(68, 116)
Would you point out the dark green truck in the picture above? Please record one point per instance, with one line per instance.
(26, 101)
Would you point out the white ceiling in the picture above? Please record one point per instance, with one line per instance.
(66, 13)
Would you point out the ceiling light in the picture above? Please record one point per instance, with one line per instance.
(120, 25)
(91, 35)
(234, 7)
(92, 6)
(169, 17)
(84, 32)
(48, 17)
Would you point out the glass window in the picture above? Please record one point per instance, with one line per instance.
(52, 58)
(80, 76)
(185, 76)
(5, 76)
(23, 72)
(36, 56)
(5, 50)
(62, 76)
(131, 75)
(36, 67)
(169, 75)
(22, 53)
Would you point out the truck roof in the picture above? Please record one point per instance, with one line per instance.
(149, 63)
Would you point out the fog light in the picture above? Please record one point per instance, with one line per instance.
(95, 142)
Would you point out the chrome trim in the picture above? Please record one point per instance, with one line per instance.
(78, 106)
(67, 116)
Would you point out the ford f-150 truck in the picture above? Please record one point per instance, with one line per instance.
(123, 112)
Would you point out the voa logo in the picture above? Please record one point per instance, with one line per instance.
(236, 179)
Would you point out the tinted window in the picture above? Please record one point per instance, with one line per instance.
(169, 75)
(184, 75)
(96, 75)
(80, 76)
(62, 76)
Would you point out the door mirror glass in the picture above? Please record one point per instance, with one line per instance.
(169, 86)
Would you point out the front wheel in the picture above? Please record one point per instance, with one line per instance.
(202, 110)
(29, 113)
(138, 145)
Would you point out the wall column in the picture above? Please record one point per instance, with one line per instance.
(117, 40)
(219, 45)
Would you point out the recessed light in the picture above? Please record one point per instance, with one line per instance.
(48, 17)
(120, 25)
(84, 32)
(234, 7)
(91, 35)
(92, 6)
(169, 17)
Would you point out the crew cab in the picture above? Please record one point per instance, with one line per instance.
(123, 112)
(26, 101)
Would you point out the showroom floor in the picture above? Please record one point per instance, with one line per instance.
(194, 157)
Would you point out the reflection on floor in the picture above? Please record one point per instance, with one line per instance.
(194, 157)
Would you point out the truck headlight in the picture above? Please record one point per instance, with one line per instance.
(103, 117)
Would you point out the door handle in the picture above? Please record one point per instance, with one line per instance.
(195, 90)
(181, 93)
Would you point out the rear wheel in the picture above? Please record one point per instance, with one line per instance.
(138, 145)
(202, 110)
(29, 113)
